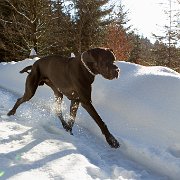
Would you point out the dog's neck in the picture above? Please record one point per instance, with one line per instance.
(85, 65)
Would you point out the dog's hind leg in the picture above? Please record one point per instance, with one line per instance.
(73, 111)
(58, 100)
(30, 89)
(58, 108)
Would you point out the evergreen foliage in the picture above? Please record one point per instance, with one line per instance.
(90, 21)
(66, 26)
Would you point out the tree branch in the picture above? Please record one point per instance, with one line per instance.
(15, 9)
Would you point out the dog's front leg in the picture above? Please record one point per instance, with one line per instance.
(109, 137)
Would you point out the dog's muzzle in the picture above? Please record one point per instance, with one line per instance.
(113, 72)
(109, 71)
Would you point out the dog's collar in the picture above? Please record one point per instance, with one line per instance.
(87, 67)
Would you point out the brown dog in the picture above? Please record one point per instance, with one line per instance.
(72, 77)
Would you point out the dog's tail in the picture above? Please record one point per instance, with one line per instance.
(26, 69)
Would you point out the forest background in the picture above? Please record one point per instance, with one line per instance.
(66, 26)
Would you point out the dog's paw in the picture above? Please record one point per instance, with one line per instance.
(112, 141)
(10, 113)
(67, 128)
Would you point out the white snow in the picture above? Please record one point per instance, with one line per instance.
(72, 55)
(141, 109)
(33, 53)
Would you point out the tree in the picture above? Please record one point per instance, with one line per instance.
(26, 25)
(5, 49)
(161, 52)
(147, 56)
(136, 48)
(117, 33)
(90, 20)
(58, 39)
(170, 36)
(34, 24)
(117, 39)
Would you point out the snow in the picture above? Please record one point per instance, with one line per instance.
(141, 109)
(72, 55)
(33, 53)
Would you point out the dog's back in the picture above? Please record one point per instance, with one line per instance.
(59, 70)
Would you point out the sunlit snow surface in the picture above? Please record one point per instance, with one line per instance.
(141, 109)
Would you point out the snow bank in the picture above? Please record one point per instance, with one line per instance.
(33, 144)
(141, 109)
(144, 100)
(11, 79)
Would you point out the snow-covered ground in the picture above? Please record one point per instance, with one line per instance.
(141, 109)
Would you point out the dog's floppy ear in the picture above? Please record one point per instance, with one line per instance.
(108, 49)
(87, 57)
(111, 50)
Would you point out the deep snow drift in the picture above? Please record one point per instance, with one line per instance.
(141, 109)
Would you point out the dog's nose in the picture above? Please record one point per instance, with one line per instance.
(116, 69)
(117, 72)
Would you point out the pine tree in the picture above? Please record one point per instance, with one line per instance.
(90, 20)
(136, 48)
(6, 52)
(37, 24)
(170, 36)
(24, 26)
(62, 29)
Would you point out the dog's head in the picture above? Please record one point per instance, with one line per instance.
(102, 62)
